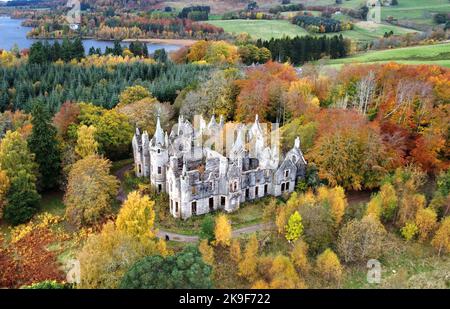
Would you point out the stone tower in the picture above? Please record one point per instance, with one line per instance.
(159, 158)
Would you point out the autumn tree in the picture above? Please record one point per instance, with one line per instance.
(222, 231)
(137, 217)
(318, 226)
(90, 191)
(215, 96)
(384, 203)
(283, 274)
(441, 240)
(235, 250)
(409, 231)
(42, 142)
(360, 240)
(248, 264)
(263, 90)
(107, 256)
(86, 143)
(298, 127)
(114, 130)
(335, 199)
(66, 116)
(329, 266)
(206, 251)
(294, 228)
(441, 197)
(349, 152)
(143, 114)
(301, 99)
(18, 164)
(299, 256)
(133, 94)
(4, 187)
(407, 182)
(426, 221)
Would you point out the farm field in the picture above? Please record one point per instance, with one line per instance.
(260, 29)
(267, 29)
(430, 54)
(417, 11)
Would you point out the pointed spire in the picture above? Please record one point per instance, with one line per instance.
(297, 142)
(159, 133)
(212, 123)
(221, 121)
(137, 131)
(166, 140)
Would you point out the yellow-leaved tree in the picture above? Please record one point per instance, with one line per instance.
(283, 274)
(335, 198)
(133, 94)
(137, 216)
(235, 250)
(86, 143)
(222, 231)
(90, 191)
(294, 228)
(329, 266)
(4, 187)
(426, 221)
(299, 256)
(207, 252)
(249, 262)
(106, 256)
(441, 240)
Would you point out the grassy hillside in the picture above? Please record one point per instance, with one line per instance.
(264, 29)
(417, 11)
(430, 54)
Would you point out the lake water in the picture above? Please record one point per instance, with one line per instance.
(12, 32)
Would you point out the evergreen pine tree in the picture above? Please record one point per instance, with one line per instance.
(43, 144)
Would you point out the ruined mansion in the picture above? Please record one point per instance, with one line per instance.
(199, 179)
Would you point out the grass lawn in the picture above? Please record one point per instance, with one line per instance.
(438, 54)
(403, 265)
(248, 214)
(260, 29)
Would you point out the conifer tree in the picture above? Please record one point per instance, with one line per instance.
(44, 145)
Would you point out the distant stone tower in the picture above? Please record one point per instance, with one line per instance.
(159, 158)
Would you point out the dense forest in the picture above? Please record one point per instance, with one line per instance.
(57, 83)
(299, 50)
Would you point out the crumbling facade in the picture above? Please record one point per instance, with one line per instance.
(200, 180)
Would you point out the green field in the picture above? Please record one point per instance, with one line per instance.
(417, 11)
(263, 29)
(438, 54)
(365, 31)
(267, 29)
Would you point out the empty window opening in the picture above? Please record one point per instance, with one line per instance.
(194, 208)
(222, 201)
(211, 203)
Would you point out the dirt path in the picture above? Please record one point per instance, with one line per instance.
(192, 238)
(120, 174)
